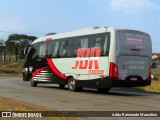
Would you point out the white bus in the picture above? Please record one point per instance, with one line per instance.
(97, 57)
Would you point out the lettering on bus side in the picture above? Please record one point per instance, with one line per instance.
(83, 62)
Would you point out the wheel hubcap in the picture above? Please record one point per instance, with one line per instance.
(72, 84)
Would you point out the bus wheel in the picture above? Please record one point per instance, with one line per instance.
(61, 86)
(103, 90)
(72, 85)
(33, 83)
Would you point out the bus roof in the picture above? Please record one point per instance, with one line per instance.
(78, 32)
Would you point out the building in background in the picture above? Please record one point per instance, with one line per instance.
(155, 55)
(1, 49)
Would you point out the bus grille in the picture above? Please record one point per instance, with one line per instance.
(45, 75)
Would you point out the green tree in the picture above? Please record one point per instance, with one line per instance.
(158, 58)
(17, 42)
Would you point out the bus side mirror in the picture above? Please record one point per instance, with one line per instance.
(26, 50)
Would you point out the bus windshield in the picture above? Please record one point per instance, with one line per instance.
(133, 40)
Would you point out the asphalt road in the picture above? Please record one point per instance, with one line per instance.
(89, 100)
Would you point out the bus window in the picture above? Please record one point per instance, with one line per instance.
(50, 49)
(79, 42)
(67, 48)
(31, 52)
(133, 40)
(76, 45)
(84, 42)
(41, 51)
(102, 41)
(61, 47)
(35, 49)
(106, 45)
(55, 52)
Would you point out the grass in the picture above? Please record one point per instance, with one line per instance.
(11, 68)
(153, 88)
(7, 104)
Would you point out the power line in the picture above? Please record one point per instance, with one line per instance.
(155, 44)
(19, 32)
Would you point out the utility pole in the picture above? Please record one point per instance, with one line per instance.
(16, 54)
(4, 52)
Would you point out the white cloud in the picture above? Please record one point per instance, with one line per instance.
(132, 5)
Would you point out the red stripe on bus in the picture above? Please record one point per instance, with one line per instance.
(48, 39)
(38, 70)
(55, 70)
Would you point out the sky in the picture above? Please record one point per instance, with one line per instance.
(39, 17)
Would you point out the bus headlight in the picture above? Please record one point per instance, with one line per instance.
(30, 68)
(25, 70)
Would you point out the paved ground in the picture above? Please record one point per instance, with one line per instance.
(88, 100)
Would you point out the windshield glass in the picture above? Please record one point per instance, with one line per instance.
(133, 40)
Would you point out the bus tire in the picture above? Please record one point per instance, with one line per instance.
(33, 83)
(103, 90)
(61, 86)
(72, 85)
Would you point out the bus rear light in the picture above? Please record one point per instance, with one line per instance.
(113, 71)
(135, 53)
(149, 72)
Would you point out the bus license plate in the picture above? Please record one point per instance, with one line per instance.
(133, 78)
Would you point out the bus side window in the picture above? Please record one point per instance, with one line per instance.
(35, 55)
(102, 41)
(67, 48)
(76, 45)
(60, 48)
(50, 49)
(79, 42)
(41, 51)
(106, 45)
(84, 42)
(97, 41)
(55, 52)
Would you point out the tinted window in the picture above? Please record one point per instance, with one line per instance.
(53, 48)
(102, 41)
(50, 48)
(42, 51)
(59, 48)
(133, 40)
(37, 50)
(31, 52)
(76, 46)
(67, 48)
